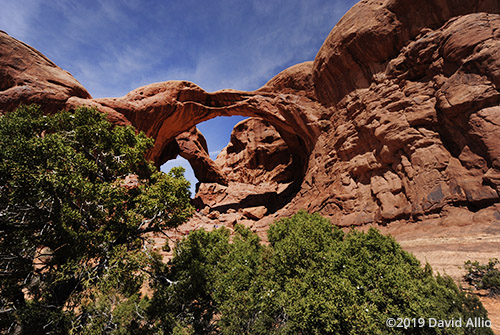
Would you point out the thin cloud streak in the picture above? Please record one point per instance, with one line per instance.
(17, 16)
(262, 55)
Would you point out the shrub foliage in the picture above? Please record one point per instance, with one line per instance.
(310, 279)
(484, 276)
(72, 235)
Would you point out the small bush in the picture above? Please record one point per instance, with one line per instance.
(484, 276)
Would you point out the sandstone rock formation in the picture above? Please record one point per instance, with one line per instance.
(193, 147)
(396, 123)
(164, 110)
(419, 135)
(255, 154)
(374, 32)
(27, 76)
(257, 165)
(396, 118)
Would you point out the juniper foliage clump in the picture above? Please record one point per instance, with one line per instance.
(312, 278)
(72, 237)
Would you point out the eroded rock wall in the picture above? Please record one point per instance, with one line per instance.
(256, 153)
(422, 135)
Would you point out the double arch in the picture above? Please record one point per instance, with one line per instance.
(165, 110)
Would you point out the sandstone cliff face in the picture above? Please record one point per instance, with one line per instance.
(193, 147)
(396, 121)
(257, 166)
(27, 76)
(416, 136)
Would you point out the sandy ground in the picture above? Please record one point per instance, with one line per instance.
(446, 248)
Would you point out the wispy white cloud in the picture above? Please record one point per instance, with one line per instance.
(112, 45)
(297, 31)
(16, 16)
(214, 154)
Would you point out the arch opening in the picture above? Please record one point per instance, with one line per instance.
(188, 174)
(169, 112)
(253, 168)
(215, 135)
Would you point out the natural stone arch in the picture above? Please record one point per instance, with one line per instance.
(165, 110)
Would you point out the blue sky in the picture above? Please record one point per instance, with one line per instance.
(113, 47)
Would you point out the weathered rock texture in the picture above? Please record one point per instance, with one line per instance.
(422, 135)
(395, 123)
(164, 110)
(257, 165)
(256, 153)
(373, 33)
(27, 76)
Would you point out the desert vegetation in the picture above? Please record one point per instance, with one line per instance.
(77, 199)
(484, 276)
(77, 196)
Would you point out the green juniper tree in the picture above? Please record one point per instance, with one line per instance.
(484, 276)
(311, 279)
(72, 236)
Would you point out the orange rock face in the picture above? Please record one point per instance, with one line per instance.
(420, 134)
(372, 33)
(256, 153)
(396, 122)
(257, 166)
(165, 110)
(27, 76)
(193, 147)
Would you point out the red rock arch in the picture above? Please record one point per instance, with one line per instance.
(165, 110)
